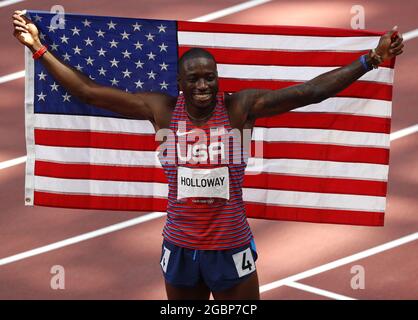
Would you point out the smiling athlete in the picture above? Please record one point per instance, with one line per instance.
(208, 245)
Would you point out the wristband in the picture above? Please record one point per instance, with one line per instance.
(39, 53)
(364, 63)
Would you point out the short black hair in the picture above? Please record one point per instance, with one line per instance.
(194, 53)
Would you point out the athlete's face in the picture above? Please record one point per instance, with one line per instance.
(198, 79)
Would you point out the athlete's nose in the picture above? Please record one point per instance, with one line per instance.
(201, 84)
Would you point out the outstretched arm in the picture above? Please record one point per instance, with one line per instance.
(139, 105)
(271, 102)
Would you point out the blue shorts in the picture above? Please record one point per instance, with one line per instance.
(218, 269)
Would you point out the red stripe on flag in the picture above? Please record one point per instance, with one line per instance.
(99, 202)
(261, 211)
(105, 140)
(99, 172)
(327, 152)
(282, 58)
(313, 184)
(329, 121)
(282, 30)
(359, 89)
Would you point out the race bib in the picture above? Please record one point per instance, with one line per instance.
(203, 183)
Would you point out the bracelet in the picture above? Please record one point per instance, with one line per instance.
(40, 52)
(375, 57)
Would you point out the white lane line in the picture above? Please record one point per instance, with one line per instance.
(82, 237)
(206, 18)
(9, 2)
(403, 132)
(12, 76)
(393, 136)
(12, 162)
(318, 291)
(230, 10)
(340, 262)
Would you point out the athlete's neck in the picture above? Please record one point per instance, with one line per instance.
(199, 115)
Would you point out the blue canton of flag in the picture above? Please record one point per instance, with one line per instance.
(129, 54)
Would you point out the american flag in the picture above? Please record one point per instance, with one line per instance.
(326, 162)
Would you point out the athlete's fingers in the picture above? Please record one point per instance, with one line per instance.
(397, 48)
(21, 29)
(18, 23)
(18, 17)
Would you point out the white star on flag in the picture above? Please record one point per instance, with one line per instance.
(51, 28)
(151, 74)
(114, 62)
(151, 56)
(125, 35)
(86, 23)
(42, 76)
(100, 33)
(102, 71)
(126, 54)
(126, 73)
(139, 64)
(89, 42)
(66, 97)
(161, 28)
(163, 66)
(54, 46)
(79, 68)
(37, 18)
(89, 60)
(75, 31)
(54, 86)
(64, 39)
(150, 37)
(66, 57)
(114, 82)
(112, 25)
(138, 45)
(164, 85)
(139, 83)
(41, 96)
(163, 47)
(77, 50)
(101, 52)
(137, 27)
(113, 43)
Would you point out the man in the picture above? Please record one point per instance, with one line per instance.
(208, 246)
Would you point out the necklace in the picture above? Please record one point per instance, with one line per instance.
(199, 119)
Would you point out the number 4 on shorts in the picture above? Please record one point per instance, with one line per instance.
(244, 262)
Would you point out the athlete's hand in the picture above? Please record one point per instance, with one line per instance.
(25, 30)
(390, 44)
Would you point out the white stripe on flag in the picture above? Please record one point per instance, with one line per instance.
(275, 42)
(315, 200)
(316, 168)
(274, 197)
(339, 105)
(339, 137)
(357, 106)
(90, 123)
(97, 156)
(292, 73)
(149, 158)
(101, 187)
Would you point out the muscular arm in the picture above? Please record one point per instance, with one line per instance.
(138, 105)
(266, 103)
